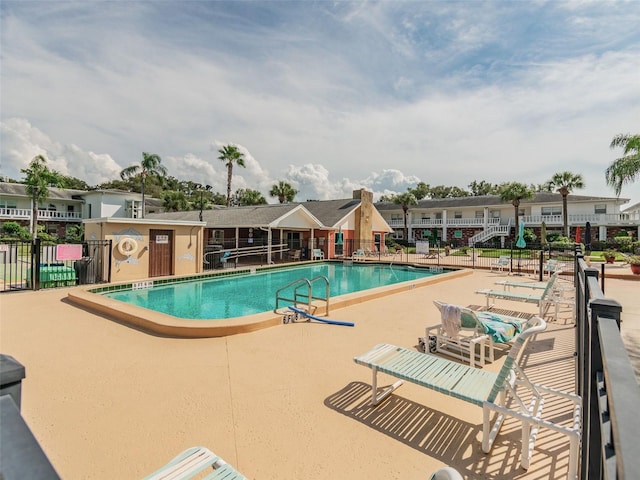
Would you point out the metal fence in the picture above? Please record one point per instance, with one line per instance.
(31, 265)
(606, 383)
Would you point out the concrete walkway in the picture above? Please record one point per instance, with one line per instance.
(288, 402)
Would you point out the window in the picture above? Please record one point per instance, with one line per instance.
(69, 208)
(602, 208)
(549, 211)
(133, 208)
(457, 214)
(218, 237)
(397, 218)
(479, 214)
(494, 213)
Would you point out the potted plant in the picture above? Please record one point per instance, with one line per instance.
(609, 256)
(634, 263)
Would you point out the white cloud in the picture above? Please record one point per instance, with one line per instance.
(21, 142)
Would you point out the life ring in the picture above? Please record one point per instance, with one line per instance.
(127, 246)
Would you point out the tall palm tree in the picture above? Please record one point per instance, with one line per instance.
(37, 177)
(284, 191)
(514, 192)
(230, 154)
(565, 183)
(624, 169)
(405, 199)
(151, 164)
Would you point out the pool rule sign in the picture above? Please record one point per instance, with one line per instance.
(162, 239)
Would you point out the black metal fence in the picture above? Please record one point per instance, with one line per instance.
(27, 265)
(606, 383)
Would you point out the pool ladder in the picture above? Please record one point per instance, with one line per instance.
(302, 290)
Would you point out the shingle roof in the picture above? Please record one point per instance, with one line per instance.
(20, 190)
(330, 212)
(493, 200)
(243, 217)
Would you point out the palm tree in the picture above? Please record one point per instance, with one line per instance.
(284, 191)
(151, 164)
(624, 169)
(514, 192)
(405, 199)
(230, 154)
(37, 177)
(565, 183)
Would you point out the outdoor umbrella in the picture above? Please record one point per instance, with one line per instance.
(520, 243)
(543, 234)
(578, 234)
(587, 237)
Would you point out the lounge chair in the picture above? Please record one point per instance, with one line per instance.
(191, 463)
(359, 255)
(503, 392)
(504, 261)
(294, 255)
(544, 299)
(462, 329)
(551, 266)
(317, 254)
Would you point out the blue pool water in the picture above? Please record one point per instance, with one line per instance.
(237, 296)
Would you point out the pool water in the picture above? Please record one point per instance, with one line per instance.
(251, 293)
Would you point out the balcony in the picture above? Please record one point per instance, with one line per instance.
(43, 215)
(606, 219)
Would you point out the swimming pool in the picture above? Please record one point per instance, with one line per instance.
(95, 299)
(251, 293)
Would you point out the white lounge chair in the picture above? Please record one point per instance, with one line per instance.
(503, 262)
(191, 463)
(501, 393)
(359, 255)
(317, 254)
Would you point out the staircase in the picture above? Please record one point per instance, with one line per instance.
(493, 231)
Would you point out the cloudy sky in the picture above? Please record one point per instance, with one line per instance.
(329, 96)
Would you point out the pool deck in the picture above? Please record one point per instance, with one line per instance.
(107, 401)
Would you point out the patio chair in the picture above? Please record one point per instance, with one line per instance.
(508, 393)
(551, 266)
(191, 463)
(359, 255)
(504, 261)
(544, 299)
(294, 255)
(317, 254)
(462, 329)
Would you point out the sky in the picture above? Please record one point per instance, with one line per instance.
(329, 96)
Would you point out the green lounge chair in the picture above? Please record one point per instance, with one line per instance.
(544, 300)
(508, 393)
(192, 463)
(484, 329)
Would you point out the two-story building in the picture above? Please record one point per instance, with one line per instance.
(471, 220)
(65, 207)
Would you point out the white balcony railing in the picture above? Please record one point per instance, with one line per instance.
(581, 219)
(43, 215)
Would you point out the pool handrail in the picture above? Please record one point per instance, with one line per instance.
(301, 282)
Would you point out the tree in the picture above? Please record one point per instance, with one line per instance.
(514, 192)
(406, 199)
(248, 197)
(173, 201)
(565, 183)
(151, 165)
(421, 191)
(482, 188)
(625, 169)
(230, 154)
(37, 178)
(284, 191)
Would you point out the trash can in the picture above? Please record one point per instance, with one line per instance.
(11, 374)
(85, 271)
